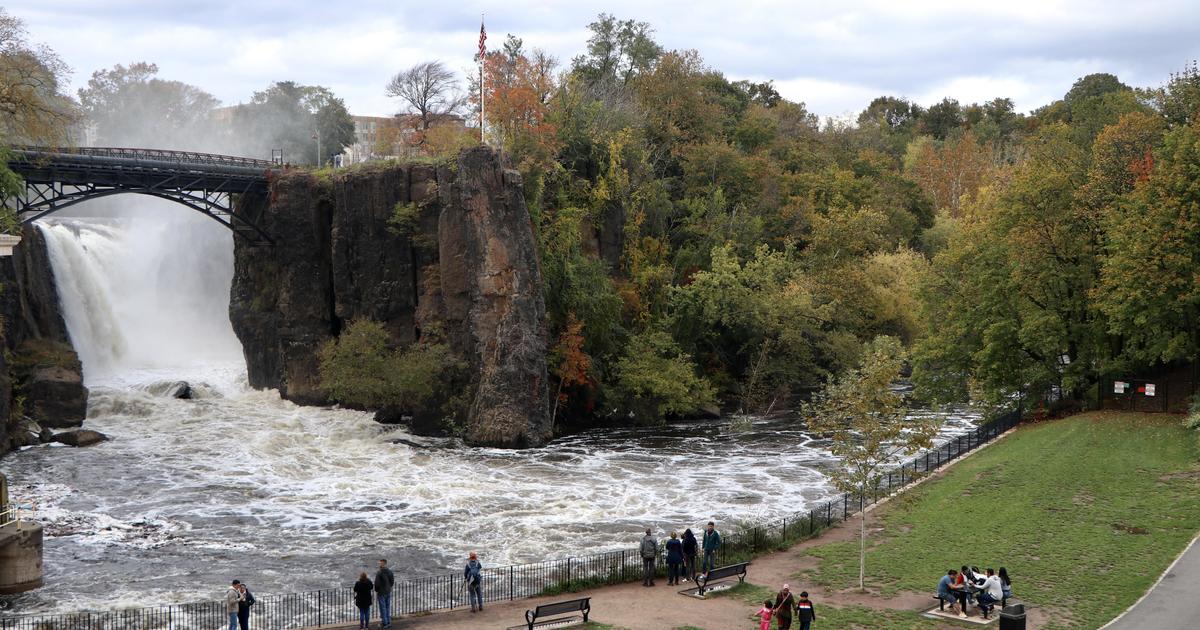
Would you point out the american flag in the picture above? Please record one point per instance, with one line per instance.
(482, 39)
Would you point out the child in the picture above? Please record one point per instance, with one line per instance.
(805, 611)
(764, 613)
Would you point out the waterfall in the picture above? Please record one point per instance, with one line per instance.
(146, 289)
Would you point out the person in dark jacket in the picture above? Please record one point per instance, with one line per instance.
(674, 559)
(473, 575)
(363, 589)
(649, 553)
(384, 581)
(805, 613)
(712, 542)
(784, 601)
(244, 604)
(690, 547)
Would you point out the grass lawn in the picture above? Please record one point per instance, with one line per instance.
(1085, 513)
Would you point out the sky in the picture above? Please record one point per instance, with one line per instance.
(834, 56)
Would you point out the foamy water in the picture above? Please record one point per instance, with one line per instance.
(239, 483)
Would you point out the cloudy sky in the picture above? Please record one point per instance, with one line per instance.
(834, 56)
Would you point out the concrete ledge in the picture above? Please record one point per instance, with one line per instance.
(20, 557)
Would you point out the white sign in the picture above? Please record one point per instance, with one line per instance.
(1149, 389)
(1119, 387)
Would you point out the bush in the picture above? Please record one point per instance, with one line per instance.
(658, 379)
(361, 368)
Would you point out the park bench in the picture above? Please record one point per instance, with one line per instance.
(582, 605)
(704, 579)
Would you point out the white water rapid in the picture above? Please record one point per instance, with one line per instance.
(238, 483)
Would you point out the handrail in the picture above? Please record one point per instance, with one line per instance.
(11, 513)
(180, 157)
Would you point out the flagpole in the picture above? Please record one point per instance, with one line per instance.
(482, 91)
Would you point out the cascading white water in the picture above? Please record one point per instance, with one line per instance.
(238, 483)
(147, 290)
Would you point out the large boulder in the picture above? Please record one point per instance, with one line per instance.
(80, 437)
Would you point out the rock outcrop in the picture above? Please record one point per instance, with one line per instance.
(416, 248)
(42, 368)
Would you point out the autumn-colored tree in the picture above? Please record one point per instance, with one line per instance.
(568, 361)
(518, 88)
(949, 171)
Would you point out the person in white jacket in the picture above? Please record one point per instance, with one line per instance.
(992, 591)
(232, 597)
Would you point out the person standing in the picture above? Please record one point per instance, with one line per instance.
(805, 613)
(363, 589)
(674, 559)
(244, 605)
(712, 542)
(783, 607)
(690, 547)
(473, 574)
(232, 597)
(384, 581)
(649, 552)
(764, 616)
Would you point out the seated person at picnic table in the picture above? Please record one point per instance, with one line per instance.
(947, 592)
(993, 591)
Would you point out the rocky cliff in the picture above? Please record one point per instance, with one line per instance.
(41, 380)
(415, 247)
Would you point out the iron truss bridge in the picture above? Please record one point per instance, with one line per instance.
(57, 178)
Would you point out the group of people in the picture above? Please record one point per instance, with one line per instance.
(681, 554)
(782, 608)
(381, 589)
(958, 588)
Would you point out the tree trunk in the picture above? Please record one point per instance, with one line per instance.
(862, 549)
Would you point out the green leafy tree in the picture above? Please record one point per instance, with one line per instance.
(131, 106)
(656, 379)
(868, 426)
(1148, 283)
(293, 117)
(1178, 101)
(617, 51)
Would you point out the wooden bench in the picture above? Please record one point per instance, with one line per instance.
(704, 579)
(558, 608)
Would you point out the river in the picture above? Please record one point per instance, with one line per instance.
(237, 483)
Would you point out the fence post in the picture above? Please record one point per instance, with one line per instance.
(511, 581)
(568, 572)
(845, 505)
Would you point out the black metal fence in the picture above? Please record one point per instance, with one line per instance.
(442, 592)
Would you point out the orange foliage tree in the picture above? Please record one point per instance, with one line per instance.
(518, 88)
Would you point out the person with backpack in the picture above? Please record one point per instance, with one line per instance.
(473, 575)
(690, 547)
(649, 552)
(363, 590)
(384, 581)
(244, 603)
(784, 602)
(712, 542)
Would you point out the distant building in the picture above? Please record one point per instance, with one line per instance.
(384, 138)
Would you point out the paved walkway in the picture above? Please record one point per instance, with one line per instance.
(1172, 603)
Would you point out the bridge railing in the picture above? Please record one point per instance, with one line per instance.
(181, 157)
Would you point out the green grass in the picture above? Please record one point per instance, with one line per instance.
(862, 618)
(1085, 513)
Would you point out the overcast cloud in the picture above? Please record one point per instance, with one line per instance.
(834, 56)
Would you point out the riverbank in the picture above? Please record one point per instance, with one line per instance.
(1085, 513)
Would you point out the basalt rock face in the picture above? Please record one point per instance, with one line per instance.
(463, 260)
(42, 367)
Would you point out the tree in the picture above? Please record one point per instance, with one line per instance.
(617, 51)
(950, 171)
(130, 106)
(869, 427)
(430, 91)
(294, 118)
(657, 379)
(33, 109)
(1148, 284)
(1179, 100)
(942, 118)
(519, 88)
